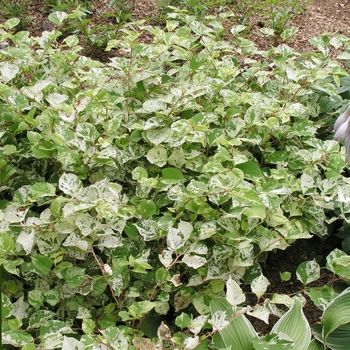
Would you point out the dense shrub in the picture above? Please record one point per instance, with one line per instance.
(139, 195)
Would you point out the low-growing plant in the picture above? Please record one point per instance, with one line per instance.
(279, 12)
(15, 8)
(140, 197)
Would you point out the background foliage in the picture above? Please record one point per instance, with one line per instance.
(140, 197)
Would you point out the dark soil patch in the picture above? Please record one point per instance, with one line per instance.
(287, 261)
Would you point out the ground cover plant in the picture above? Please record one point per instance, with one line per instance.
(141, 197)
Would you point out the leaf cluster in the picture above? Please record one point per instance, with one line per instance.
(139, 197)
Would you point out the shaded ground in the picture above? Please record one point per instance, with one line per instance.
(322, 16)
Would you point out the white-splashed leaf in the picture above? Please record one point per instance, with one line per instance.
(197, 324)
(8, 71)
(166, 257)
(219, 320)
(307, 183)
(152, 106)
(26, 240)
(175, 239)
(73, 240)
(157, 136)
(157, 155)
(70, 184)
(308, 271)
(191, 343)
(260, 312)
(70, 343)
(14, 214)
(194, 261)
(234, 293)
(56, 99)
(259, 285)
(186, 229)
(110, 241)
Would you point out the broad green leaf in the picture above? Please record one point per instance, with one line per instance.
(256, 211)
(315, 345)
(172, 175)
(141, 308)
(146, 208)
(43, 189)
(183, 320)
(6, 306)
(308, 271)
(42, 264)
(294, 325)
(337, 340)
(74, 276)
(239, 333)
(251, 170)
(289, 32)
(337, 313)
(6, 244)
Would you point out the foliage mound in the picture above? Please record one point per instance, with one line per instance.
(139, 197)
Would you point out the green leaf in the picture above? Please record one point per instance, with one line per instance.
(183, 320)
(74, 276)
(146, 208)
(256, 211)
(285, 276)
(239, 333)
(315, 345)
(172, 175)
(6, 244)
(336, 314)
(43, 189)
(42, 264)
(251, 170)
(308, 271)
(141, 308)
(294, 325)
